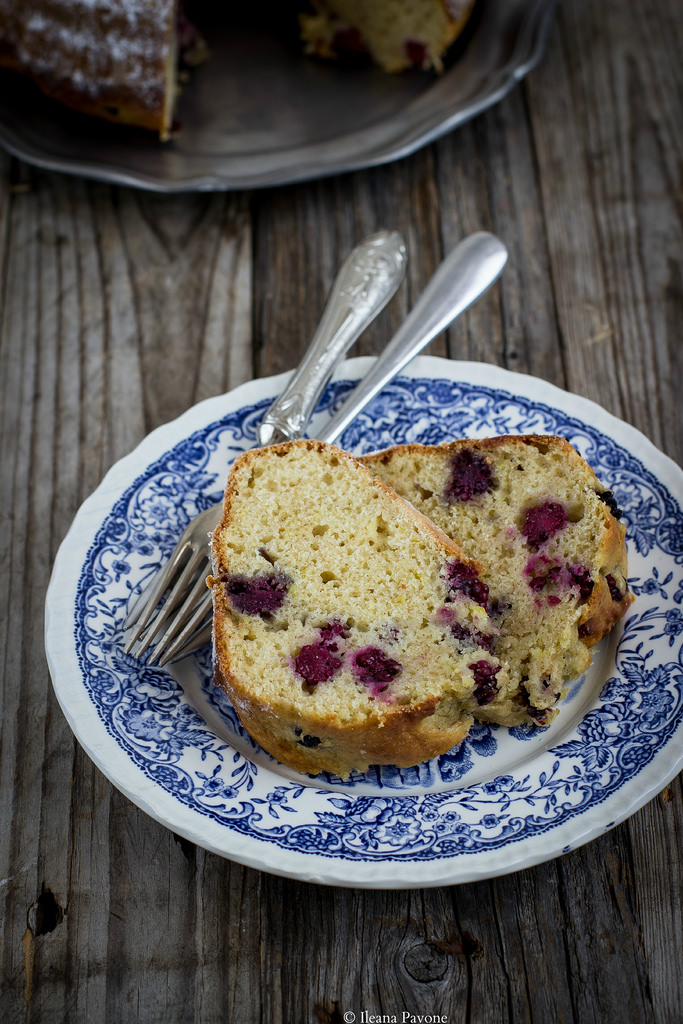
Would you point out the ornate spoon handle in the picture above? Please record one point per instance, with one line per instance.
(366, 281)
(466, 273)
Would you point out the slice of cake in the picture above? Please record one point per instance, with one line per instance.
(348, 630)
(548, 538)
(395, 34)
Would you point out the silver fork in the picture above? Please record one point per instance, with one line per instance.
(466, 273)
(173, 612)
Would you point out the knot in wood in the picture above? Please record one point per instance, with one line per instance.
(426, 962)
(45, 914)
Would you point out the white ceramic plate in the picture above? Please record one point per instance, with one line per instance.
(258, 114)
(506, 799)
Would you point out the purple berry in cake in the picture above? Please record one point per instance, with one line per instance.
(332, 632)
(615, 593)
(470, 475)
(542, 573)
(581, 579)
(375, 669)
(462, 579)
(485, 673)
(538, 715)
(541, 522)
(257, 595)
(537, 583)
(416, 52)
(611, 502)
(444, 616)
(348, 40)
(471, 637)
(307, 741)
(315, 663)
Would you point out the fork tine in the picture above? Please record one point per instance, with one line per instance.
(194, 536)
(188, 616)
(144, 606)
(149, 610)
(175, 599)
(200, 639)
(197, 626)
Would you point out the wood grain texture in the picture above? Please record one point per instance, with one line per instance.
(119, 310)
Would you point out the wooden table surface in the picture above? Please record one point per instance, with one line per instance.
(119, 309)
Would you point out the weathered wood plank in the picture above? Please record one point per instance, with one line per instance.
(73, 401)
(302, 235)
(28, 418)
(614, 222)
(656, 835)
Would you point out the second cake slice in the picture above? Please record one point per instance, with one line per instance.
(550, 544)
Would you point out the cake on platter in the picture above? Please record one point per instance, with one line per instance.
(126, 61)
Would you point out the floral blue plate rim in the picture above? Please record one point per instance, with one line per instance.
(505, 800)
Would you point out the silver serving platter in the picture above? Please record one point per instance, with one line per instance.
(257, 114)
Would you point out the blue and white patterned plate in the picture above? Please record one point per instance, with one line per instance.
(506, 799)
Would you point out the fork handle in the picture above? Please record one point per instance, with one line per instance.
(466, 273)
(367, 280)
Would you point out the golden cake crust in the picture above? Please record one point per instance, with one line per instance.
(407, 737)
